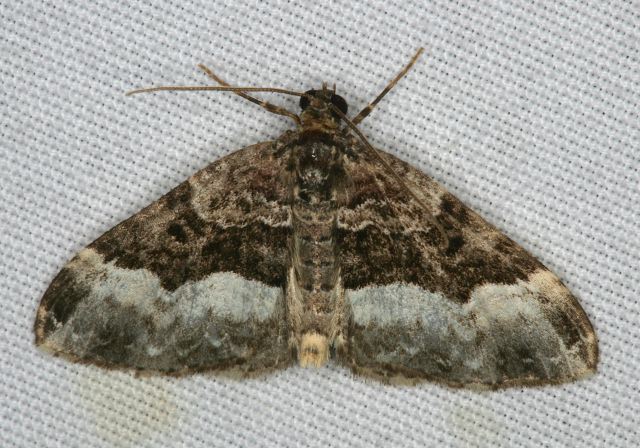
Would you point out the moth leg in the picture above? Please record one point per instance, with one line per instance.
(367, 110)
(265, 104)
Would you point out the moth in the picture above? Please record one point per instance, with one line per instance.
(312, 247)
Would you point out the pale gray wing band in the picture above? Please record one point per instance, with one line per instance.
(100, 313)
(531, 332)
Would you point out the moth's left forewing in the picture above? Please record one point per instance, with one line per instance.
(480, 312)
(192, 282)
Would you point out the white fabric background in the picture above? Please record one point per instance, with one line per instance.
(528, 113)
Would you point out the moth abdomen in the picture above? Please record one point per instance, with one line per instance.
(314, 252)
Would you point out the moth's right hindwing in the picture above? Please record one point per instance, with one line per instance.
(193, 282)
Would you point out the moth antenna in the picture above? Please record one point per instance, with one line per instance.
(367, 110)
(220, 89)
(214, 88)
(265, 104)
(396, 176)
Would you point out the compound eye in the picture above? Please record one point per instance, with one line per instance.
(340, 103)
(304, 101)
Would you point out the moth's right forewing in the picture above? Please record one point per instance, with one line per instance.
(479, 312)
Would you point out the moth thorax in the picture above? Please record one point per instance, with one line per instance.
(319, 120)
(314, 350)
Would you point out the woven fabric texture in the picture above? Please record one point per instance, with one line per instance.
(529, 114)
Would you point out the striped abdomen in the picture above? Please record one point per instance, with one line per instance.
(315, 268)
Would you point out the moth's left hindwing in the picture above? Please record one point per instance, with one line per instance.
(194, 281)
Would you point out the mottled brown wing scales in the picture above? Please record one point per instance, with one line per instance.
(481, 311)
(192, 282)
(407, 248)
(220, 219)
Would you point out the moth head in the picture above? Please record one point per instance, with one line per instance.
(315, 105)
